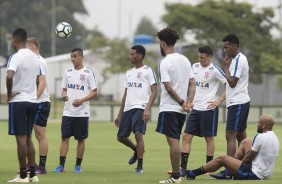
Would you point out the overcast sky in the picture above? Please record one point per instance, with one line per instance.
(119, 18)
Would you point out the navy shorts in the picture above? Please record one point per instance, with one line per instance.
(74, 126)
(21, 116)
(131, 121)
(245, 173)
(42, 114)
(237, 117)
(202, 123)
(170, 124)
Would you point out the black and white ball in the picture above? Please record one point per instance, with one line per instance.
(63, 30)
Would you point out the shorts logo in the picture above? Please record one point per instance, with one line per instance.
(82, 77)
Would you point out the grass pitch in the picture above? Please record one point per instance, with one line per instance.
(105, 159)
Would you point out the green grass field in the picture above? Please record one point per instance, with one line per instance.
(105, 159)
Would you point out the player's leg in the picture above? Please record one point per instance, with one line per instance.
(170, 124)
(243, 149)
(210, 148)
(80, 132)
(40, 123)
(139, 129)
(242, 124)
(124, 132)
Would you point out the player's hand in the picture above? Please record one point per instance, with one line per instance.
(226, 61)
(65, 98)
(117, 121)
(12, 95)
(77, 102)
(187, 106)
(146, 115)
(214, 104)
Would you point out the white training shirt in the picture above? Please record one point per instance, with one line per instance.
(45, 97)
(26, 67)
(267, 146)
(239, 68)
(138, 82)
(79, 83)
(207, 81)
(176, 69)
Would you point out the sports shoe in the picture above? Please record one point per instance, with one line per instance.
(34, 179)
(139, 170)
(40, 170)
(171, 180)
(182, 172)
(19, 180)
(60, 168)
(222, 175)
(190, 175)
(77, 169)
(132, 159)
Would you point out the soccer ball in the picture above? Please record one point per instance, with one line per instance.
(63, 30)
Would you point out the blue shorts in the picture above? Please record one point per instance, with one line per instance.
(21, 116)
(170, 124)
(202, 123)
(237, 117)
(245, 173)
(74, 126)
(42, 114)
(131, 121)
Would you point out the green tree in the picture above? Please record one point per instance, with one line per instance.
(36, 17)
(146, 27)
(210, 20)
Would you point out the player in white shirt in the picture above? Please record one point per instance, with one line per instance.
(22, 71)
(139, 96)
(78, 87)
(254, 160)
(43, 107)
(177, 81)
(237, 97)
(203, 119)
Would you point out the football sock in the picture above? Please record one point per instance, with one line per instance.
(32, 171)
(42, 160)
(199, 171)
(175, 175)
(140, 162)
(184, 160)
(78, 161)
(62, 160)
(209, 158)
(23, 172)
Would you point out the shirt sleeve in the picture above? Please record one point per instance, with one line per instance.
(92, 81)
(152, 77)
(190, 71)
(257, 142)
(64, 81)
(220, 75)
(237, 67)
(164, 71)
(13, 63)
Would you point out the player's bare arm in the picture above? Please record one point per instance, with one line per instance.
(9, 85)
(232, 81)
(251, 155)
(154, 92)
(173, 94)
(64, 94)
(215, 103)
(117, 120)
(78, 102)
(190, 95)
(41, 85)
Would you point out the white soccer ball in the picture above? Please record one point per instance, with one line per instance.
(63, 30)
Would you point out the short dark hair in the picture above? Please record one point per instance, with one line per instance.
(206, 49)
(168, 35)
(20, 34)
(139, 49)
(232, 38)
(78, 50)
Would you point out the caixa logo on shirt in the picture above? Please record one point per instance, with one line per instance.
(76, 86)
(202, 84)
(134, 85)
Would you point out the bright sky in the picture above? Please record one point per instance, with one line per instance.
(119, 18)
